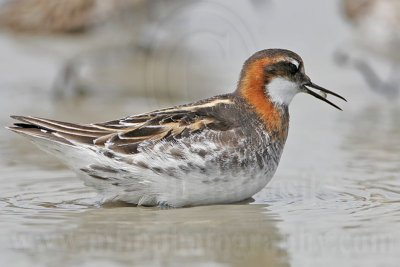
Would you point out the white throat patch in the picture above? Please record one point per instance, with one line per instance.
(281, 91)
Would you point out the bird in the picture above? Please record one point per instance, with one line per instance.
(218, 150)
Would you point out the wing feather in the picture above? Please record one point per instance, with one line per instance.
(127, 134)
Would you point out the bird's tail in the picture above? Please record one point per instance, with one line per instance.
(57, 131)
(69, 142)
(72, 144)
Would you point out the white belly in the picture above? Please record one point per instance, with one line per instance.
(191, 180)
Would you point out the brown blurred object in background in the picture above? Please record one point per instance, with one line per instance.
(377, 31)
(60, 16)
(377, 22)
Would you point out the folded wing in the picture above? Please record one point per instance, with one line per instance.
(127, 134)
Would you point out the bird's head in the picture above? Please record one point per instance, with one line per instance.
(272, 77)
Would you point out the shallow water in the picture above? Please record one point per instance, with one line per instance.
(334, 201)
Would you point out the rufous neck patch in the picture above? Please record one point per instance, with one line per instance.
(252, 88)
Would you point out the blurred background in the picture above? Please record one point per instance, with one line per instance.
(335, 197)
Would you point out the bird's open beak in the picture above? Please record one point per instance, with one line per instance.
(323, 91)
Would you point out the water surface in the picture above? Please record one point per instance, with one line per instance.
(334, 201)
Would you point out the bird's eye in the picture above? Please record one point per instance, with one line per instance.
(293, 68)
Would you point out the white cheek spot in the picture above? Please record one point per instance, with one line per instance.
(281, 91)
